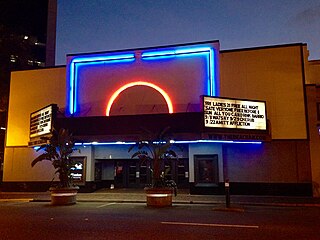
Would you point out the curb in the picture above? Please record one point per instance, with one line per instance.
(180, 202)
(16, 200)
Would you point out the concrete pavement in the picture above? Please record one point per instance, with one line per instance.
(183, 197)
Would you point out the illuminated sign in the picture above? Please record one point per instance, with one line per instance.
(208, 52)
(78, 172)
(234, 113)
(140, 83)
(142, 67)
(90, 61)
(41, 121)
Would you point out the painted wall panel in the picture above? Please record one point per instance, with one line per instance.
(313, 93)
(271, 74)
(278, 162)
(30, 91)
(17, 166)
(313, 72)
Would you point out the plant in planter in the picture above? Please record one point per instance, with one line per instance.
(58, 150)
(156, 152)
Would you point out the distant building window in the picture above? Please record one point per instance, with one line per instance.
(13, 58)
(318, 110)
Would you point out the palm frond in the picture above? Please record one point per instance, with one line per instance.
(44, 156)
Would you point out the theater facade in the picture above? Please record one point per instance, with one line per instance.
(245, 115)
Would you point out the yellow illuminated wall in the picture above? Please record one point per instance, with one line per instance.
(313, 93)
(275, 75)
(30, 91)
(314, 72)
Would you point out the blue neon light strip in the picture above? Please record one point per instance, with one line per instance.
(151, 55)
(81, 61)
(185, 52)
(172, 141)
(104, 143)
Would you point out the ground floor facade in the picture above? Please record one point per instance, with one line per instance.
(269, 168)
(108, 99)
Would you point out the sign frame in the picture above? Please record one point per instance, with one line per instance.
(37, 122)
(234, 114)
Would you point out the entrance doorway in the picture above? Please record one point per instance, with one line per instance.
(131, 173)
(206, 170)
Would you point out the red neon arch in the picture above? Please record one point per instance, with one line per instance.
(139, 83)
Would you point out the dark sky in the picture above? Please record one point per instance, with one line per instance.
(25, 16)
(103, 25)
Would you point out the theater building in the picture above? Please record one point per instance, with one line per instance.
(247, 115)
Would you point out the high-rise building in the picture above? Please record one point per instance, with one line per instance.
(23, 35)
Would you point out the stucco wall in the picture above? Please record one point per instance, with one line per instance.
(313, 72)
(272, 74)
(30, 91)
(275, 162)
(17, 166)
(313, 93)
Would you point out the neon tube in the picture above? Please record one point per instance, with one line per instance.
(171, 141)
(81, 61)
(139, 83)
(187, 52)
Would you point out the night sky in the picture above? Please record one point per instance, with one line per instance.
(104, 25)
(25, 16)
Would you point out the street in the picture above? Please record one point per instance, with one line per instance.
(111, 220)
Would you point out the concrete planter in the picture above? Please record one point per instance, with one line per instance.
(159, 197)
(64, 196)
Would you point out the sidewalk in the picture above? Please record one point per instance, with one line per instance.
(183, 197)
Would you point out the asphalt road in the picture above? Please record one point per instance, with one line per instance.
(94, 220)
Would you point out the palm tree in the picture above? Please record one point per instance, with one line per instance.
(58, 151)
(155, 152)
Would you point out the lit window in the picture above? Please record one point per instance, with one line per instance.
(13, 58)
(39, 44)
(25, 37)
(40, 64)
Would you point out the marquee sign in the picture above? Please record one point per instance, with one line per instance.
(234, 113)
(98, 83)
(41, 121)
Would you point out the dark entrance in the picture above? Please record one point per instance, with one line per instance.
(206, 170)
(131, 173)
